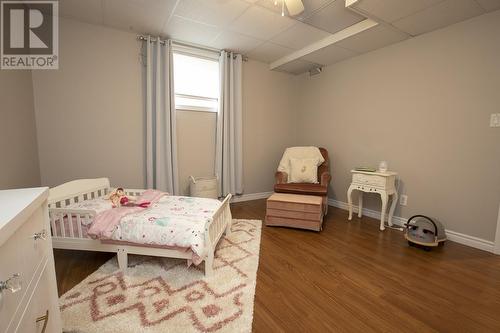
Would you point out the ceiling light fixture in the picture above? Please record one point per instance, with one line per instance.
(295, 7)
(315, 70)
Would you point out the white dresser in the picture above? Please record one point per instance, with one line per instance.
(382, 183)
(28, 296)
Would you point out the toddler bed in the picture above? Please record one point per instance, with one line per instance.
(174, 226)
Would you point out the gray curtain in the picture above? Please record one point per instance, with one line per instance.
(228, 153)
(161, 143)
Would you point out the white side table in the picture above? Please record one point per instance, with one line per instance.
(383, 183)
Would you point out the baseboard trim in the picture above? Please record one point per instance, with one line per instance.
(251, 196)
(471, 241)
(399, 221)
(475, 242)
(497, 236)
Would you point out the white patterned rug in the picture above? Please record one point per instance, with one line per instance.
(164, 295)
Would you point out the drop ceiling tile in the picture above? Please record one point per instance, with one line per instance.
(329, 55)
(235, 41)
(439, 16)
(372, 39)
(334, 17)
(392, 10)
(299, 36)
(260, 23)
(311, 6)
(269, 52)
(89, 11)
(137, 15)
(272, 5)
(296, 67)
(190, 31)
(489, 5)
(214, 12)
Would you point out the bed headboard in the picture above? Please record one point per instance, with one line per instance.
(80, 189)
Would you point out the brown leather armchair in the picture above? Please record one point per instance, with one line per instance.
(320, 189)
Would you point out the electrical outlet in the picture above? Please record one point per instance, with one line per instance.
(403, 200)
(495, 120)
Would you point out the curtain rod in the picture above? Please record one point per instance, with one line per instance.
(211, 49)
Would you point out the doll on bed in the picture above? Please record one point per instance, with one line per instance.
(119, 199)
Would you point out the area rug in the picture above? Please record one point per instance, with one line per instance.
(164, 295)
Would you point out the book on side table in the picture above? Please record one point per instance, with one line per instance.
(365, 169)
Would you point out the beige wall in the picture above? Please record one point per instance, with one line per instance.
(423, 105)
(196, 145)
(18, 148)
(89, 112)
(90, 115)
(269, 123)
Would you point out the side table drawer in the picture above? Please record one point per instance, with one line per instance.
(369, 180)
(368, 188)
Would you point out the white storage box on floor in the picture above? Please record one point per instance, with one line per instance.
(203, 187)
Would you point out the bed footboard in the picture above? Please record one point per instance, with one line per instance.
(214, 228)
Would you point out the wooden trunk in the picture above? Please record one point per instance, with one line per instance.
(295, 211)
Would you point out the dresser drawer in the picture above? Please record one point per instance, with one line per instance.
(21, 254)
(372, 180)
(42, 308)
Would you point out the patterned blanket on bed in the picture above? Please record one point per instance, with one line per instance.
(172, 221)
(107, 221)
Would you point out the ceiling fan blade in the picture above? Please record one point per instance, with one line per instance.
(295, 7)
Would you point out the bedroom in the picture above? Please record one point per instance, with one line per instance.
(413, 83)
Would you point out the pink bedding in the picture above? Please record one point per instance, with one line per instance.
(101, 207)
(85, 234)
(105, 222)
(171, 222)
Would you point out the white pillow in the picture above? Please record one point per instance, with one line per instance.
(299, 152)
(303, 170)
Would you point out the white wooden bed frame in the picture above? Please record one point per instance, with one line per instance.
(85, 189)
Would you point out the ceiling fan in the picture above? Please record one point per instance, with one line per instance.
(294, 7)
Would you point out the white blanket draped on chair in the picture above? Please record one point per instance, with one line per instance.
(228, 156)
(161, 143)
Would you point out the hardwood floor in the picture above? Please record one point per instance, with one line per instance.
(352, 278)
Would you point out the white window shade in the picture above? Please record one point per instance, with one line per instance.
(196, 82)
(196, 103)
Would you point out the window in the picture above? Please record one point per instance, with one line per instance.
(196, 83)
